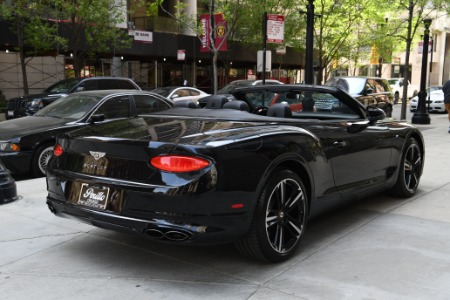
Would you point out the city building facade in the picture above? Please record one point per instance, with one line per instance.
(163, 54)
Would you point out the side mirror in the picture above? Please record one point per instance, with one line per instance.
(97, 118)
(80, 89)
(174, 96)
(375, 114)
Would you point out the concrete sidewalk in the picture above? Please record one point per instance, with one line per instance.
(378, 248)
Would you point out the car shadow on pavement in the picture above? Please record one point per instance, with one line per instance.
(322, 231)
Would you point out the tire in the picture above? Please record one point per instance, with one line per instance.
(388, 111)
(410, 170)
(279, 221)
(40, 160)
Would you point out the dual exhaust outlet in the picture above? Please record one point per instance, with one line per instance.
(158, 234)
(168, 234)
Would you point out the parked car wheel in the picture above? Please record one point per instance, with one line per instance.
(279, 221)
(388, 111)
(40, 160)
(411, 167)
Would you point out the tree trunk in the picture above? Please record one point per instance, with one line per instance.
(23, 63)
(406, 69)
(77, 65)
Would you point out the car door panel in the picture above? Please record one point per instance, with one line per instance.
(354, 155)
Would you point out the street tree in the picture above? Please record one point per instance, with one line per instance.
(248, 29)
(229, 9)
(92, 29)
(35, 34)
(416, 12)
(338, 24)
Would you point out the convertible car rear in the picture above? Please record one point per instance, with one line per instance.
(233, 172)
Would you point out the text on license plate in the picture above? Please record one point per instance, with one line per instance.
(93, 196)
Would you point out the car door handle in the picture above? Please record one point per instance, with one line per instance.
(339, 144)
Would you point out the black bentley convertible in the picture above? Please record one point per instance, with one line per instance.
(234, 171)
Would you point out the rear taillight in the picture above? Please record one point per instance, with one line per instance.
(57, 150)
(178, 164)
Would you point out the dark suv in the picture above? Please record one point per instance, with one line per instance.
(28, 105)
(368, 90)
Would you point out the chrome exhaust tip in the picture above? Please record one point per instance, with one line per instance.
(154, 233)
(167, 234)
(176, 235)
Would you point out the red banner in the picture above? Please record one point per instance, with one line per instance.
(220, 30)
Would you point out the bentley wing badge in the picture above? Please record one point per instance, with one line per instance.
(97, 155)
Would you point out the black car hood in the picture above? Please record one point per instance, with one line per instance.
(28, 125)
(40, 96)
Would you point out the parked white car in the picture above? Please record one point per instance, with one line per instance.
(397, 88)
(434, 100)
(178, 93)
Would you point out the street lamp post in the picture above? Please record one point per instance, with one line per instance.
(430, 72)
(421, 115)
(309, 53)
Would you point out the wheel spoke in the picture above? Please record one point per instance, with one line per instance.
(293, 200)
(295, 227)
(279, 238)
(408, 165)
(271, 219)
(282, 191)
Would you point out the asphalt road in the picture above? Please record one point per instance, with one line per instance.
(377, 248)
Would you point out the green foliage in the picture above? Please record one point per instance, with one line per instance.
(35, 34)
(95, 21)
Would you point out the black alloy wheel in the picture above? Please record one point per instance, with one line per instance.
(388, 111)
(279, 221)
(411, 167)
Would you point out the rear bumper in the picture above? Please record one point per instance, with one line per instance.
(205, 218)
(206, 230)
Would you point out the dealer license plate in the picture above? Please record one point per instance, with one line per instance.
(93, 196)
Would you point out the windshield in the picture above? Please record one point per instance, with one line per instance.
(72, 107)
(234, 85)
(163, 91)
(393, 81)
(434, 89)
(63, 86)
(353, 86)
(260, 98)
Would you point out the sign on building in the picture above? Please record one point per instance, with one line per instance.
(143, 36)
